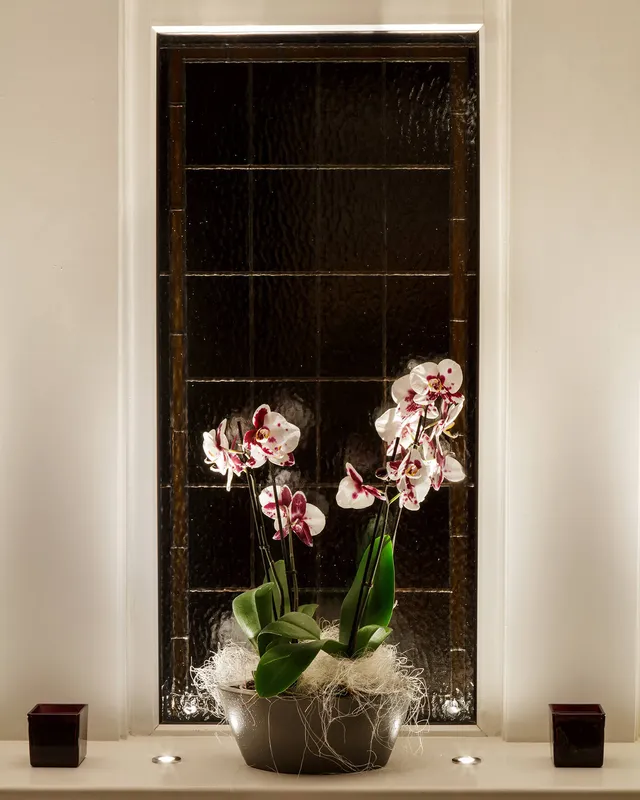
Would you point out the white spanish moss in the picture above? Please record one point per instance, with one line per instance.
(232, 665)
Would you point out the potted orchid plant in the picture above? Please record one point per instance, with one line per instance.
(307, 695)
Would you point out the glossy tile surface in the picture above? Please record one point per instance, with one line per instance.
(217, 224)
(217, 123)
(422, 546)
(347, 433)
(417, 321)
(284, 113)
(219, 538)
(351, 102)
(284, 220)
(418, 113)
(417, 216)
(351, 221)
(218, 326)
(351, 327)
(285, 317)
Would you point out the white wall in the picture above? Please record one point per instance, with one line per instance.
(572, 534)
(59, 596)
(571, 577)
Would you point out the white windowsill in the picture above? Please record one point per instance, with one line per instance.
(211, 767)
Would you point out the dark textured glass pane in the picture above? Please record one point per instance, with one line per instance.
(285, 326)
(211, 623)
(418, 113)
(347, 413)
(341, 544)
(422, 546)
(284, 113)
(421, 627)
(351, 113)
(218, 326)
(351, 234)
(210, 403)
(217, 221)
(417, 322)
(284, 220)
(351, 326)
(164, 382)
(219, 538)
(217, 120)
(418, 220)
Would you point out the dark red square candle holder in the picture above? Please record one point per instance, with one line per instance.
(57, 734)
(577, 735)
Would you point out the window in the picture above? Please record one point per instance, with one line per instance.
(317, 233)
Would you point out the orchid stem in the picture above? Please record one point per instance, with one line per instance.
(366, 580)
(294, 575)
(263, 545)
(264, 551)
(271, 572)
(283, 544)
(395, 529)
(418, 430)
(359, 605)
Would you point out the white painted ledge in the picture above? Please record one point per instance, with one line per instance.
(211, 767)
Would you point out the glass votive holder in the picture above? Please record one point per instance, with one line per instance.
(57, 734)
(577, 735)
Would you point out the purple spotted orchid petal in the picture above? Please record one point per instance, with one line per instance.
(444, 424)
(413, 495)
(268, 505)
(307, 520)
(272, 438)
(354, 493)
(388, 425)
(405, 397)
(391, 426)
(432, 382)
(443, 466)
(452, 470)
(304, 519)
(412, 476)
(219, 456)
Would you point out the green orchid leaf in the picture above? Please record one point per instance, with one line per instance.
(370, 638)
(281, 666)
(267, 640)
(382, 597)
(294, 625)
(281, 574)
(309, 608)
(379, 606)
(264, 603)
(246, 614)
(333, 648)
